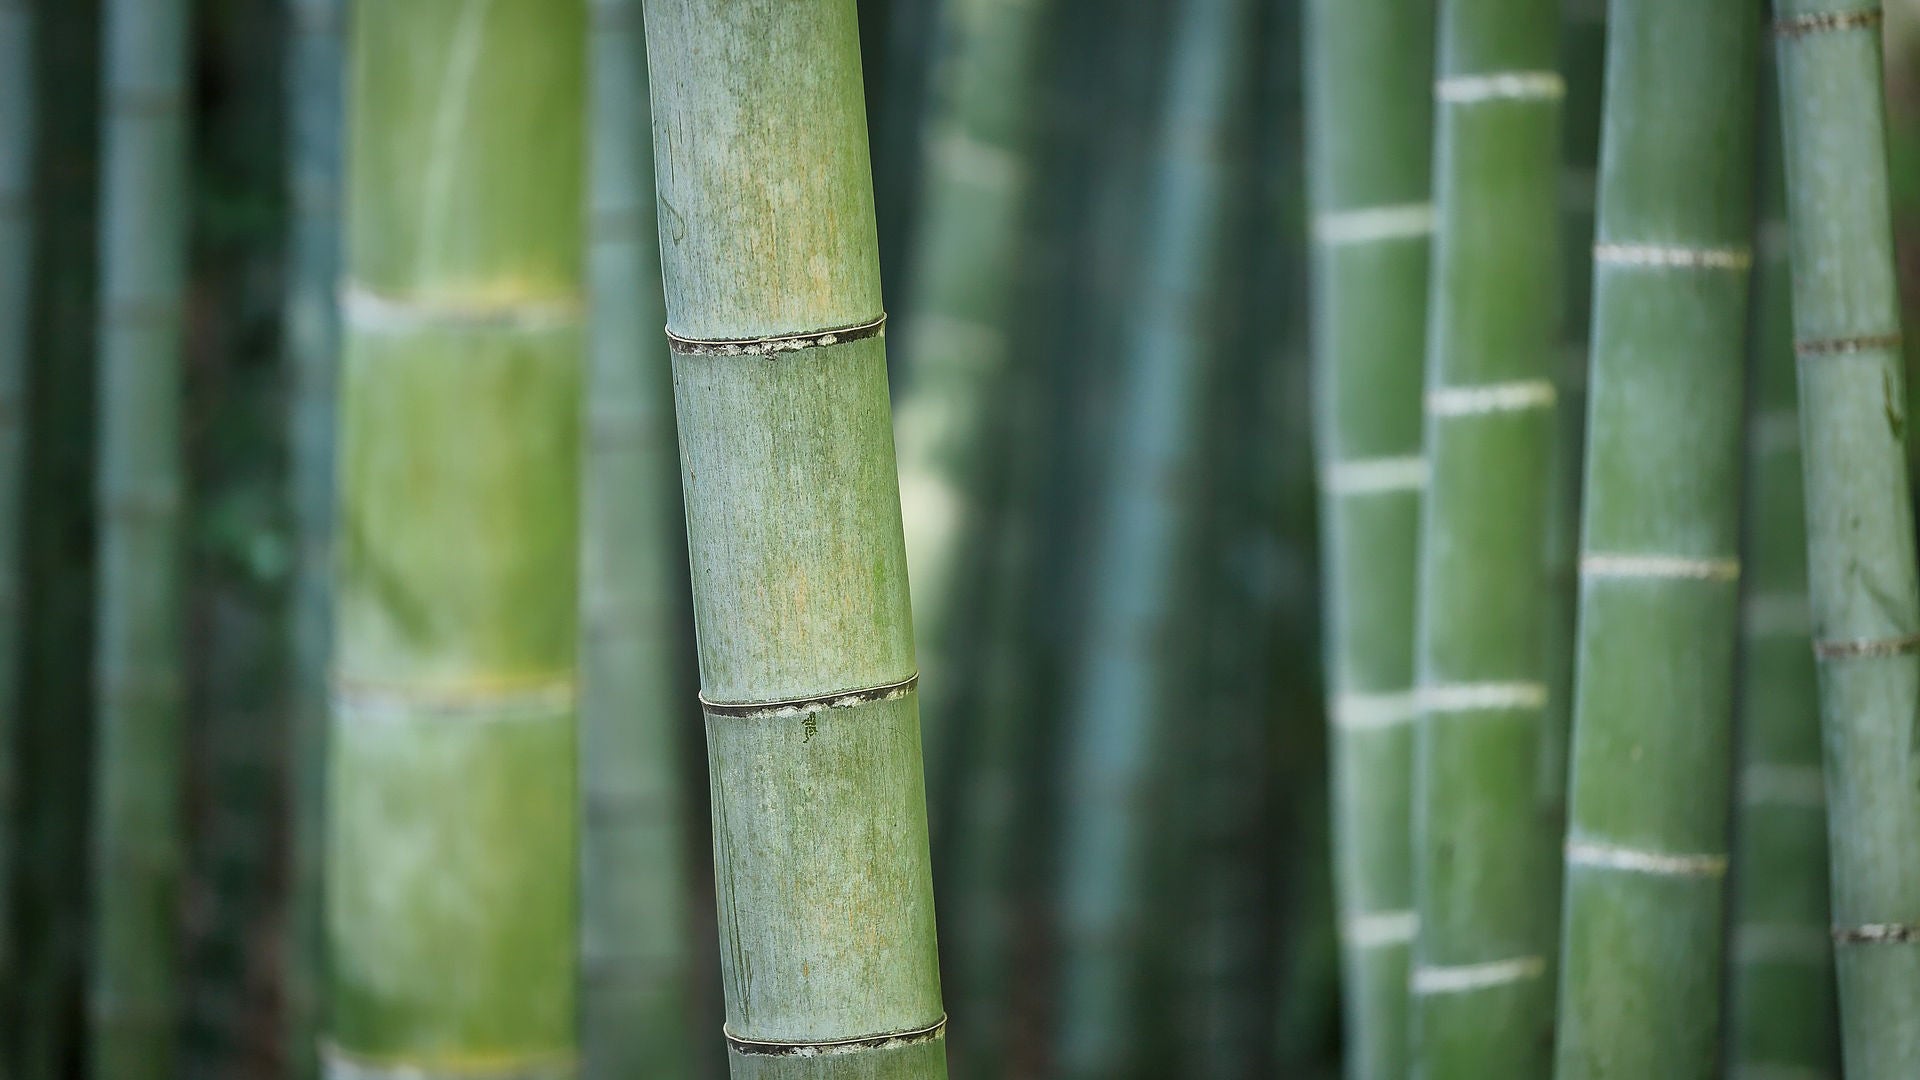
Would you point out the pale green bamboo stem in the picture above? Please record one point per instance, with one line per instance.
(1646, 848)
(1860, 539)
(1484, 845)
(1370, 121)
(138, 851)
(1781, 1005)
(634, 948)
(793, 523)
(451, 873)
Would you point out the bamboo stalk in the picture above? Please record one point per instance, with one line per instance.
(635, 953)
(793, 521)
(451, 873)
(1484, 846)
(1860, 539)
(139, 847)
(1781, 1009)
(1646, 846)
(1370, 71)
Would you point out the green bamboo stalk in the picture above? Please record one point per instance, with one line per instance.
(793, 521)
(451, 813)
(1646, 847)
(1370, 72)
(1484, 846)
(1860, 538)
(634, 952)
(1781, 1009)
(138, 847)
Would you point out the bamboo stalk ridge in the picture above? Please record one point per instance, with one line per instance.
(1484, 846)
(1646, 848)
(1370, 123)
(828, 956)
(1781, 1009)
(133, 999)
(451, 812)
(1860, 538)
(635, 953)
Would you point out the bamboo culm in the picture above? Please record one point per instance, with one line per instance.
(1646, 847)
(1484, 848)
(794, 536)
(634, 952)
(1370, 117)
(451, 875)
(1860, 539)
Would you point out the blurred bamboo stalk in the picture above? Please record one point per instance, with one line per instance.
(1860, 534)
(1484, 846)
(1370, 117)
(134, 1001)
(635, 952)
(793, 522)
(451, 880)
(1646, 847)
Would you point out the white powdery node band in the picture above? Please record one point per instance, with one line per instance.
(1500, 86)
(1465, 978)
(370, 312)
(1634, 860)
(1376, 476)
(1672, 257)
(1482, 697)
(1374, 712)
(1453, 401)
(1379, 929)
(1658, 567)
(1374, 224)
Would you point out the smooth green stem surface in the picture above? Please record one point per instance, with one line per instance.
(825, 892)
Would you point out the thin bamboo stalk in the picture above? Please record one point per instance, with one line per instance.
(1646, 849)
(1781, 1009)
(451, 813)
(634, 947)
(793, 521)
(1370, 116)
(139, 847)
(1484, 846)
(1860, 538)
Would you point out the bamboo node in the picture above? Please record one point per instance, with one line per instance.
(768, 346)
(795, 707)
(342, 1064)
(370, 312)
(1500, 86)
(1481, 697)
(1375, 476)
(883, 1041)
(1453, 401)
(479, 700)
(1375, 712)
(1658, 567)
(1466, 978)
(1673, 257)
(1374, 224)
(1867, 648)
(1799, 26)
(1639, 861)
(1379, 929)
(1848, 346)
(1877, 934)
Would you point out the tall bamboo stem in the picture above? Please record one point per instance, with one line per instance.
(793, 522)
(451, 814)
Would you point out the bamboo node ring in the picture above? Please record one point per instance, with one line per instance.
(884, 1040)
(780, 343)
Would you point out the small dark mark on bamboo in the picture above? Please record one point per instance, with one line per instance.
(1848, 346)
(1867, 648)
(840, 699)
(1799, 26)
(886, 1040)
(768, 346)
(1877, 934)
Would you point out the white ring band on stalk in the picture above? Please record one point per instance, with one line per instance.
(1671, 257)
(1374, 712)
(367, 311)
(1482, 697)
(1465, 978)
(1451, 401)
(1380, 929)
(1637, 861)
(1372, 224)
(1376, 476)
(1666, 567)
(1500, 86)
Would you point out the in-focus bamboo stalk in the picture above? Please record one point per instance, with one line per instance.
(634, 948)
(793, 521)
(1781, 1009)
(1370, 117)
(451, 873)
(1860, 536)
(1484, 849)
(138, 850)
(1646, 848)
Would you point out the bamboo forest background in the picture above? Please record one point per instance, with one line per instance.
(1104, 203)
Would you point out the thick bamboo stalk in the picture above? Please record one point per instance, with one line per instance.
(1646, 848)
(1484, 846)
(451, 873)
(1860, 539)
(138, 846)
(793, 520)
(1370, 117)
(634, 948)
(1782, 1015)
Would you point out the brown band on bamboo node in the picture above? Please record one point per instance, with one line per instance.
(883, 1041)
(1867, 648)
(1799, 26)
(1847, 346)
(343, 1064)
(1877, 934)
(839, 699)
(767, 346)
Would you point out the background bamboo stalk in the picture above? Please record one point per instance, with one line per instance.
(1647, 836)
(1860, 538)
(793, 522)
(1484, 847)
(1370, 100)
(635, 953)
(1781, 1012)
(139, 847)
(451, 875)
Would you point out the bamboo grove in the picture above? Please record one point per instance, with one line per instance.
(870, 539)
